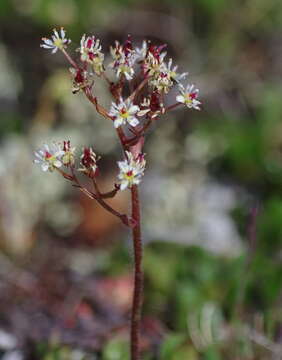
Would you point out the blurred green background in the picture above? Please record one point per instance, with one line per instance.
(212, 194)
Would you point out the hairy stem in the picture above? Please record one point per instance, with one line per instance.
(138, 276)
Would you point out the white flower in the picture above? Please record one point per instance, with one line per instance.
(154, 61)
(142, 51)
(124, 58)
(163, 77)
(49, 157)
(59, 41)
(124, 112)
(162, 82)
(90, 50)
(188, 96)
(151, 66)
(124, 67)
(131, 170)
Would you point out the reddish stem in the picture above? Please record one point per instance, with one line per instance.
(173, 106)
(138, 276)
(70, 59)
(138, 89)
(98, 197)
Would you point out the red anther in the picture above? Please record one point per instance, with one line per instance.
(66, 146)
(89, 43)
(127, 47)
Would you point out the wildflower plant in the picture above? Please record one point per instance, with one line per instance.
(144, 78)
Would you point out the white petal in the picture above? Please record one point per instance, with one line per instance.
(113, 112)
(63, 33)
(189, 88)
(38, 155)
(48, 41)
(82, 40)
(195, 104)
(133, 121)
(133, 109)
(118, 122)
(128, 76)
(57, 163)
(45, 167)
(136, 180)
(169, 63)
(182, 76)
(143, 112)
(46, 46)
(124, 184)
(56, 33)
(181, 88)
(180, 98)
(123, 165)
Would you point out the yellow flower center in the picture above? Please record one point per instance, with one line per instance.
(129, 175)
(124, 68)
(50, 159)
(188, 99)
(58, 43)
(124, 114)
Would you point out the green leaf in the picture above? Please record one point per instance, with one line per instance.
(116, 349)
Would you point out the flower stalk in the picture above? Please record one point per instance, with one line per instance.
(138, 275)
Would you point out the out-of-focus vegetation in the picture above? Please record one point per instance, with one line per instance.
(212, 195)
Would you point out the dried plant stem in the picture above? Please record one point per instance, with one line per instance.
(138, 276)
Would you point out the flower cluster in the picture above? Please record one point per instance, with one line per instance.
(51, 157)
(56, 155)
(90, 52)
(165, 79)
(150, 78)
(124, 59)
(131, 170)
(161, 75)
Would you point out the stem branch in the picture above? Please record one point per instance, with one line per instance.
(98, 197)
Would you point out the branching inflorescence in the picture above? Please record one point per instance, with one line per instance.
(143, 80)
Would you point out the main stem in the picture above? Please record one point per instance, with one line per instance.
(138, 276)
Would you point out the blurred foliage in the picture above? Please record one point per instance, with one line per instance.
(211, 307)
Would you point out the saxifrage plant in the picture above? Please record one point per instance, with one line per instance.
(143, 82)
